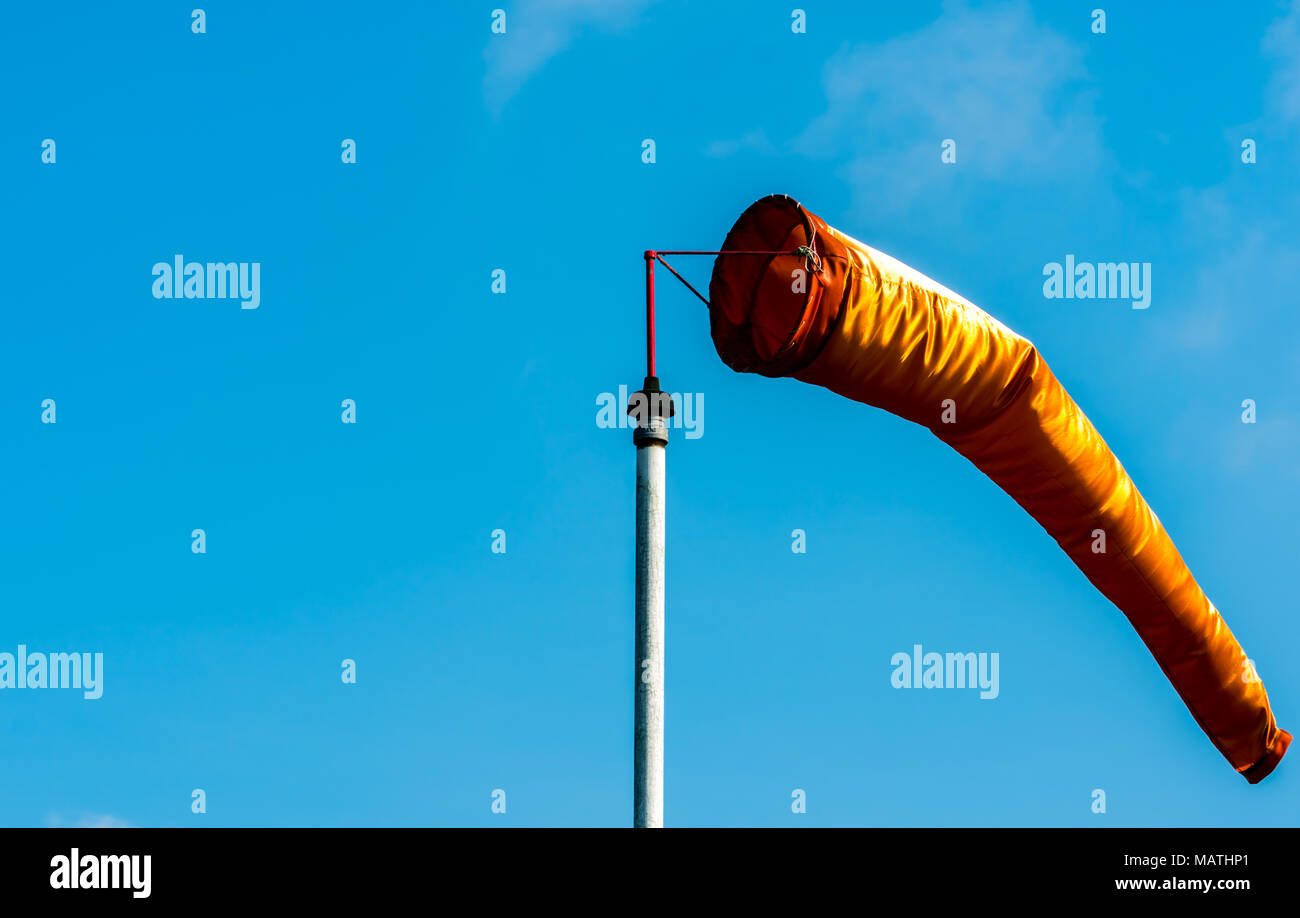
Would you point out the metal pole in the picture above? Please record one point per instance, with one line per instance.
(651, 409)
(651, 439)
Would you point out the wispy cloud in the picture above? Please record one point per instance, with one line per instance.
(754, 140)
(1241, 226)
(1010, 91)
(86, 821)
(538, 30)
(1282, 43)
(1234, 286)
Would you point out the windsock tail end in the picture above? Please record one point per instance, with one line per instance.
(1264, 767)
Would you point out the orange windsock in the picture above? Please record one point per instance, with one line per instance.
(844, 316)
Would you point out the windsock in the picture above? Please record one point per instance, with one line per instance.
(839, 314)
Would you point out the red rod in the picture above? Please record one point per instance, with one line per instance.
(650, 257)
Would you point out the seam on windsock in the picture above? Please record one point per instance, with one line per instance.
(850, 281)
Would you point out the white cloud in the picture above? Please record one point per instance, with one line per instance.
(1005, 88)
(1234, 287)
(1242, 226)
(1282, 42)
(754, 140)
(86, 821)
(536, 31)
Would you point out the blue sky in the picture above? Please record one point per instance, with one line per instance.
(476, 411)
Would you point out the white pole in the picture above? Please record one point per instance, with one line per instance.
(651, 439)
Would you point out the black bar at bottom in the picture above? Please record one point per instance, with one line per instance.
(439, 867)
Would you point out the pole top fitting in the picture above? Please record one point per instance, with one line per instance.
(650, 402)
(650, 408)
(655, 435)
(650, 255)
